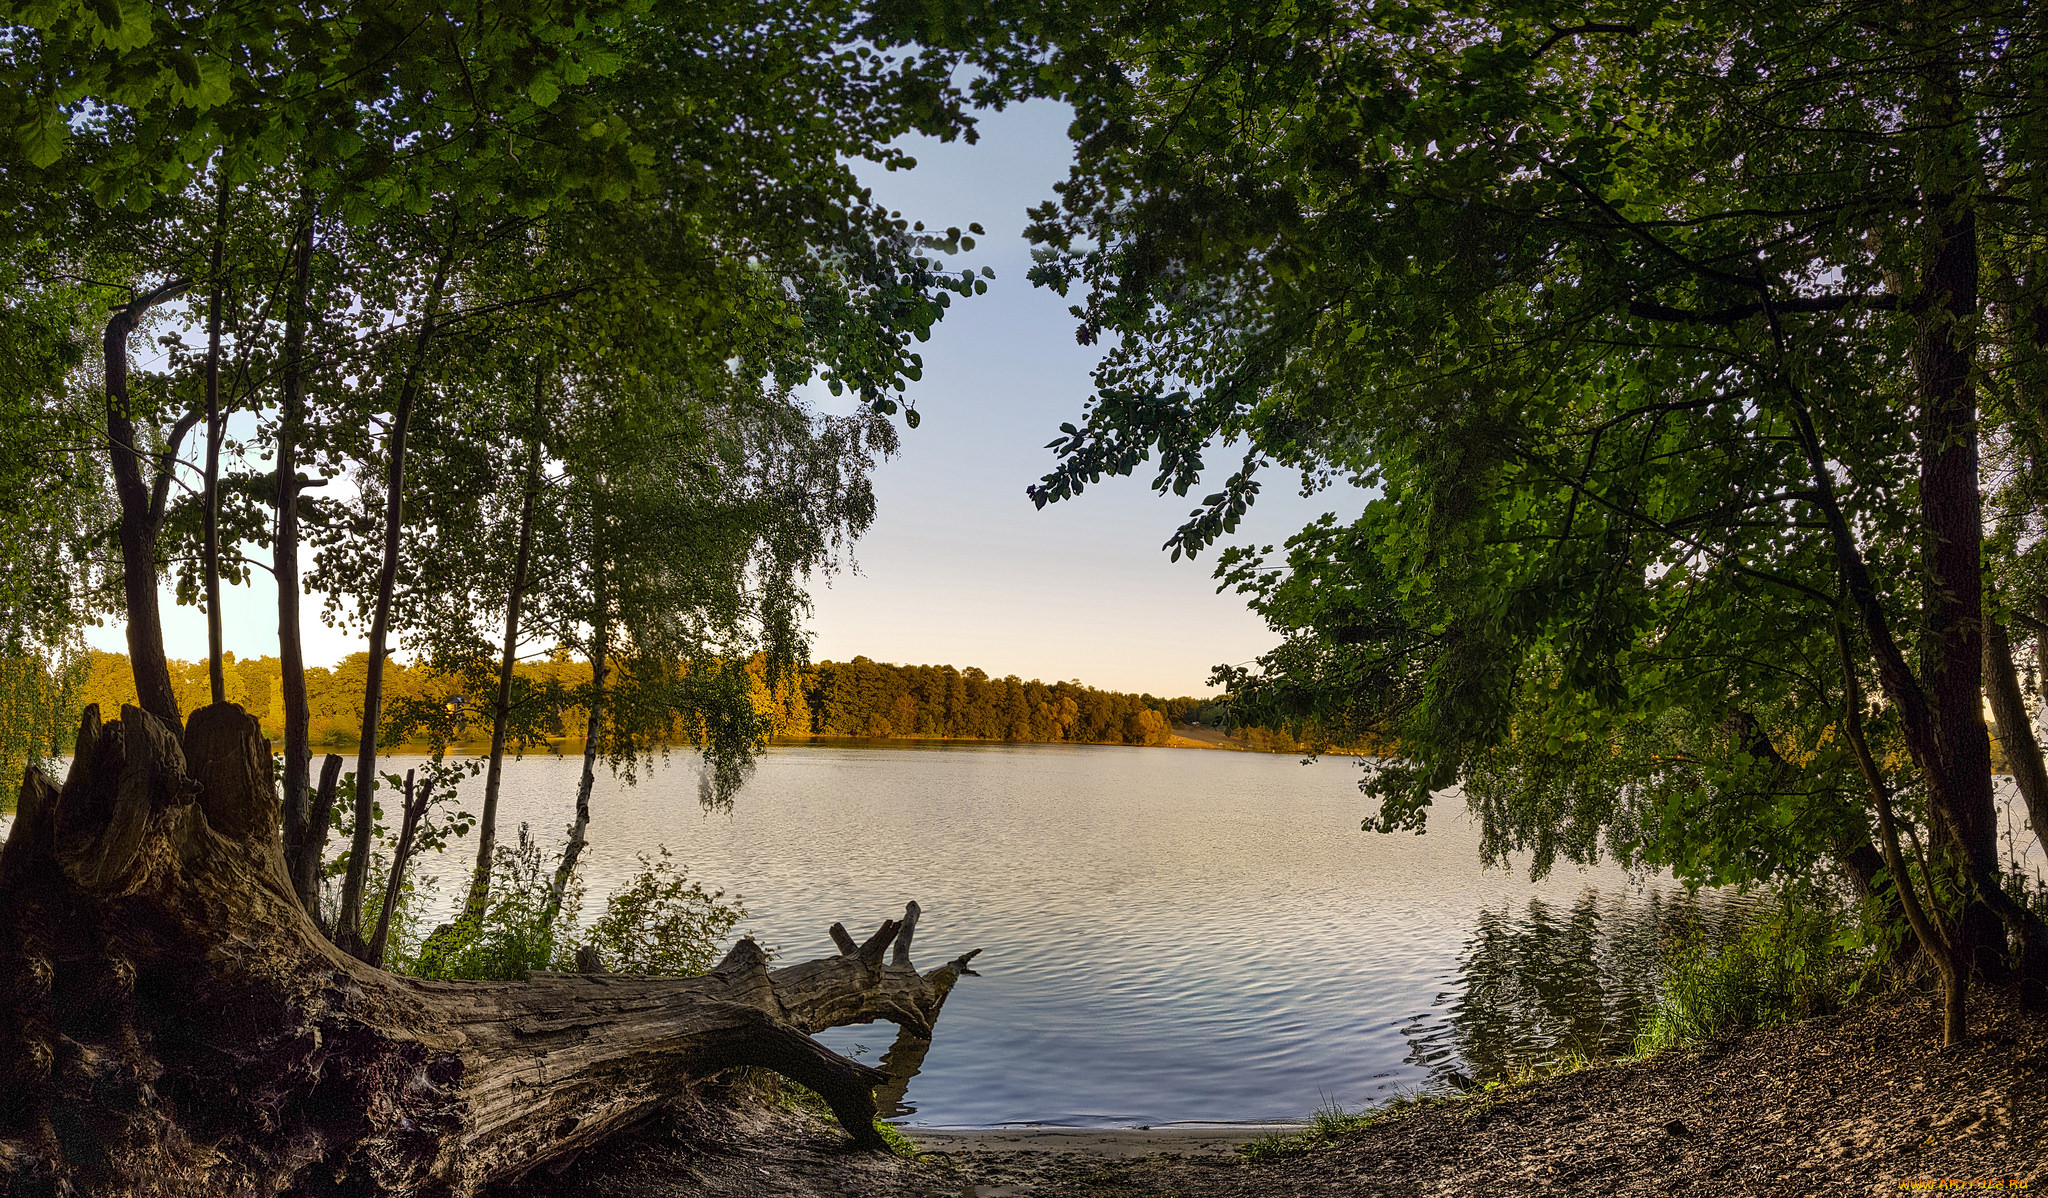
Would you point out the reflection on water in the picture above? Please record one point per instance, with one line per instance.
(1541, 981)
(1169, 935)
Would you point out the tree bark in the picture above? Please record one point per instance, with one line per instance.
(416, 803)
(593, 728)
(142, 509)
(215, 672)
(304, 858)
(174, 1024)
(2016, 727)
(501, 708)
(298, 748)
(2041, 652)
(348, 921)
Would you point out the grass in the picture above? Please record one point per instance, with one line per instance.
(1331, 1123)
(1806, 958)
(791, 1096)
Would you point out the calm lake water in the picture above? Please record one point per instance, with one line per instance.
(1168, 935)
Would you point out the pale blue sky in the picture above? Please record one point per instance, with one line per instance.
(959, 568)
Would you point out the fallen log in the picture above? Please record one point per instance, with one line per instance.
(172, 1022)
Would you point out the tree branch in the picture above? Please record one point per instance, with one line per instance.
(1740, 312)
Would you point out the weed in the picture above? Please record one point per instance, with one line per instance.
(1330, 1123)
(791, 1096)
(657, 922)
(1803, 958)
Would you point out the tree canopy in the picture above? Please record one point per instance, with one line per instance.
(496, 315)
(1675, 344)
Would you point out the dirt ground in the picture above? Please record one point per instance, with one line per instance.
(1864, 1103)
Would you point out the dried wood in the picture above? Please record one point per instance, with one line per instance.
(173, 1023)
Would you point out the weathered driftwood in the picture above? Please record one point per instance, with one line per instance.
(172, 1022)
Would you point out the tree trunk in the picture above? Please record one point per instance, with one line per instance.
(305, 865)
(416, 801)
(1948, 951)
(2041, 653)
(593, 730)
(215, 673)
(142, 507)
(501, 708)
(2016, 727)
(176, 1026)
(348, 922)
(298, 748)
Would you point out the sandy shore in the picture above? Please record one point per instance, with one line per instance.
(1103, 1142)
(1861, 1104)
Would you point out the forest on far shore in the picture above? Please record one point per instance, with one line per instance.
(858, 698)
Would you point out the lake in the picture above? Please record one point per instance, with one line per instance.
(1169, 936)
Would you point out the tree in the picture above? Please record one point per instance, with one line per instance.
(1655, 334)
(220, 1065)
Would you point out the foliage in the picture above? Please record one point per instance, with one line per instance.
(38, 698)
(661, 922)
(657, 921)
(518, 932)
(1803, 957)
(578, 257)
(1660, 385)
(854, 698)
(874, 699)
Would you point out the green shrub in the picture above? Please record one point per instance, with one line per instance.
(516, 933)
(661, 922)
(1803, 958)
(657, 922)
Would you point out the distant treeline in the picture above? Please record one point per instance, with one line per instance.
(875, 699)
(859, 698)
(334, 697)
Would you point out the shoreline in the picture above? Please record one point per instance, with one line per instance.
(1108, 1142)
(1859, 1103)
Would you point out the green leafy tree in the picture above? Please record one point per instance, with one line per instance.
(1656, 334)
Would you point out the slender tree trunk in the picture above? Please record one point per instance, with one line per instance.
(175, 1027)
(142, 506)
(501, 709)
(215, 673)
(2041, 658)
(299, 826)
(1947, 951)
(304, 867)
(593, 732)
(348, 924)
(2016, 727)
(394, 882)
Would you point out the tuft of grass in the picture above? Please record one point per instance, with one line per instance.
(1802, 959)
(791, 1096)
(899, 1144)
(1331, 1123)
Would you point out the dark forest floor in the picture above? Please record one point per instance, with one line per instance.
(1862, 1103)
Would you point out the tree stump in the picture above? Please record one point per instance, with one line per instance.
(172, 1022)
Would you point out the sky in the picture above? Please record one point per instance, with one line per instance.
(959, 568)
